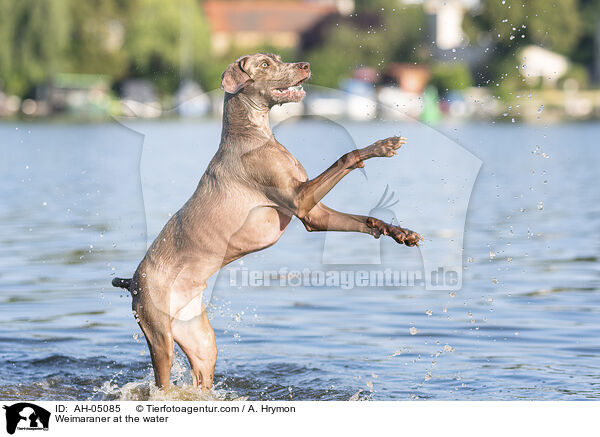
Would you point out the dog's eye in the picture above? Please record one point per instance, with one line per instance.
(265, 65)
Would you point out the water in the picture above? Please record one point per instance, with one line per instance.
(524, 325)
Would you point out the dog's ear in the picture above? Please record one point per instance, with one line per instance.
(235, 78)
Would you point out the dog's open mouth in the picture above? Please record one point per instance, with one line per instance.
(294, 92)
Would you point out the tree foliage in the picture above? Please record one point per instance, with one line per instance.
(167, 39)
(505, 26)
(97, 35)
(553, 24)
(34, 39)
(391, 34)
(159, 40)
(451, 76)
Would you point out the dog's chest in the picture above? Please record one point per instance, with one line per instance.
(274, 164)
(262, 228)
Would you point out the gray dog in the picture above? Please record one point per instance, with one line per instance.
(246, 198)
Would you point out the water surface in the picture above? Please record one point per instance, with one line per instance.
(79, 203)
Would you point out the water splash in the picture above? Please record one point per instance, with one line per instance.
(181, 389)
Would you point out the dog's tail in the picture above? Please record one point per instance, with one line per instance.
(122, 283)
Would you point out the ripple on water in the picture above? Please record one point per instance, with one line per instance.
(524, 325)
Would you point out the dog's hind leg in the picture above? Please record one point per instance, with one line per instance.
(197, 340)
(156, 325)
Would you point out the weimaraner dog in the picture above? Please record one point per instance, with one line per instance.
(245, 200)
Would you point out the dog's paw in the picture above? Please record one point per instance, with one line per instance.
(408, 237)
(400, 235)
(377, 227)
(385, 148)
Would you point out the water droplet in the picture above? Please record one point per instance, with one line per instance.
(356, 395)
(540, 205)
(413, 330)
(448, 348)
(429, 312)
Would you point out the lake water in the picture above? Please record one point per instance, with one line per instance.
(80, 202)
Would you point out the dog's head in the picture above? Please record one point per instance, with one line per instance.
(264, 76)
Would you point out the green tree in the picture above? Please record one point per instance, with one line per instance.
(398, 36)
(511, 24)
(346, 48)
(35, 35)
(406, 35)
(590, 22)
(553, 24)
(451, 76)
(6, 42)
(97, 37)
(167, 40)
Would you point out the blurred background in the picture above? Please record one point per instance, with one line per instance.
(109, 114)
(481, 59)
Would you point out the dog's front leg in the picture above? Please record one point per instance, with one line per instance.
(311, 192)
(322, 218)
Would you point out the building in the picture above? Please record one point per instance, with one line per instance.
(251, 23)
(538, 63)
(410, 78)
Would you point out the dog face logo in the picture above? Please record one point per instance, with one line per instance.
(26, 416)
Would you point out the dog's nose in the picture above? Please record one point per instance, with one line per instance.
(303, 65)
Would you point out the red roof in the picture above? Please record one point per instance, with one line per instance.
(264, 16)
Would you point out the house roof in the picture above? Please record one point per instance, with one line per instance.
(264, 16)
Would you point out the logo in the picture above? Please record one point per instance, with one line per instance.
(26, 416)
